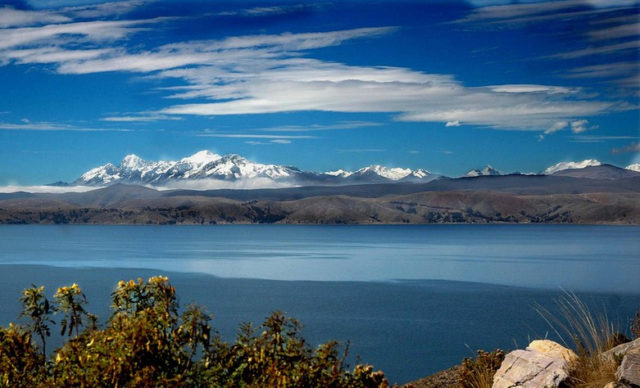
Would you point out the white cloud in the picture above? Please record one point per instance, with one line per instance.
(93, 31)
(584, 16)
(45, 189)
(242, 51)
(27, 125)
(611, 3)
(50, 54)
(360, 150)
(620, 31)
(267, 11)
(629, 148)
(344, 125)
(275, 141)
(101, 10)
(139, 118)
(274, 73)
(528, 88)
(599, 139)
(11, 17)
(295, 84)
(508, 12)
(616, 69)
(579, 126)
(254, 136)
(557, 126)
(489, 11)
(600, 50)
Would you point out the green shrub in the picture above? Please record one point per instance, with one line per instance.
(146, 342)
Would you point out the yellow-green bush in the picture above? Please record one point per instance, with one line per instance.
(146, 342)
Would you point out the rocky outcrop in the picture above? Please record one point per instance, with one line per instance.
(621, 350)
(543, 364)
(553, 349)
(629, 371)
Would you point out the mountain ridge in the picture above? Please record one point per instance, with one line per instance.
(206, 170)
(513, 198)
(205, 165)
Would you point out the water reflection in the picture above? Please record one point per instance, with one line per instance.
(593, 258)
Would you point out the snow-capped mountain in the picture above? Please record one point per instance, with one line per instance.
(570, 165)
(488, 170)
(339, 173)
(205, 165)
(378, 172)
(201, 165)
(634, 167)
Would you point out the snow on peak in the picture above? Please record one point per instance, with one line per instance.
(386, 172)
(132, 161)
(339, 173)
(206, 165)
(488, 170)
(571, 165)
(201, 158)
(103, 174)
(634, 167)
(420, 173)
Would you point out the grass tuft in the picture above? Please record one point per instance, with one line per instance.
(591, 334)
(479, 373)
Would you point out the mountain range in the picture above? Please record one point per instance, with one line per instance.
(593, 194)
(206, 170)
(207, 167)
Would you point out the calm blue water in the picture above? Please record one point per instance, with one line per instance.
(592, 258)
(412, 300)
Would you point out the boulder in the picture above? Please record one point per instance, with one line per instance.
(553, 349)
(543, 363)
(629, 370)
(531, 369)
(615, 384)
(622, 349)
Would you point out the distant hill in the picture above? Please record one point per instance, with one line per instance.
(488, 170)
(603, 171)
(602, 194)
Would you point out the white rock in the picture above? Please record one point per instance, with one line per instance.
(531, 369)
(553, 349)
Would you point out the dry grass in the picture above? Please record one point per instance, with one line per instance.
(635, 326)
(591, 335)
(479, 373)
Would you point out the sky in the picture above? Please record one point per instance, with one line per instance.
(446, 86)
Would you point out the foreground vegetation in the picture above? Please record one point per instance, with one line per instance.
(146, 342)
(579, 328)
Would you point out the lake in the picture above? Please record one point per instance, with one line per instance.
(411, 299)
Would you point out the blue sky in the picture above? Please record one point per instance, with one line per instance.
(445, 86)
